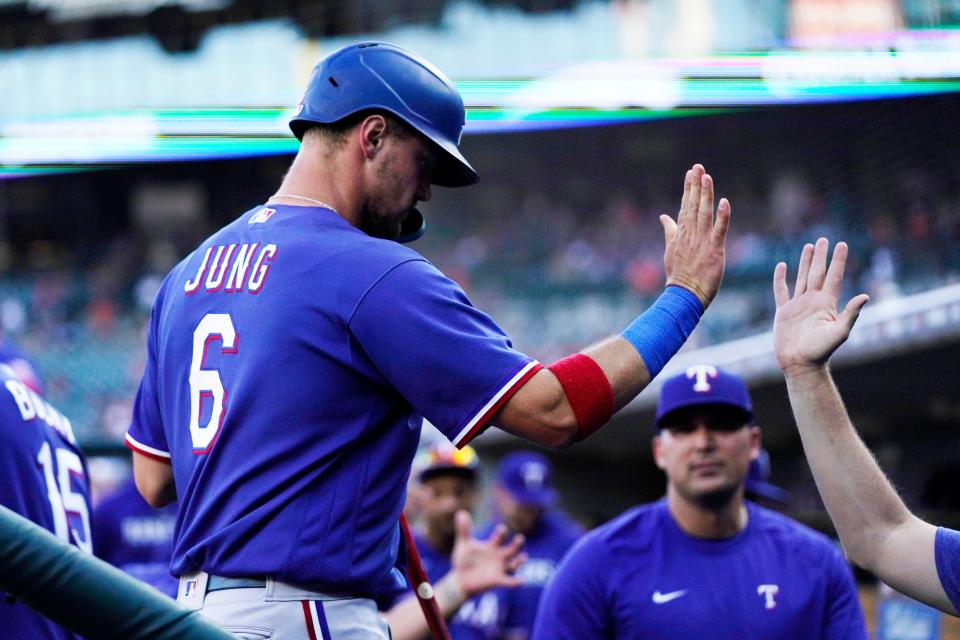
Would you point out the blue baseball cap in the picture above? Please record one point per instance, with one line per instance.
(703, 384)
(525, 475)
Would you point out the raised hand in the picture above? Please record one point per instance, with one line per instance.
(485, 564)
(696, 240)
(808, 328)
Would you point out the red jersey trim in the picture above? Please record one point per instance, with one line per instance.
(144, 450)
(475, 426)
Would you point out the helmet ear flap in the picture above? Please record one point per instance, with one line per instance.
(412, 227)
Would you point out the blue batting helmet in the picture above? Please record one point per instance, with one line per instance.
(379, 75)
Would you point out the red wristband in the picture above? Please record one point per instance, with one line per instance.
(587, 389)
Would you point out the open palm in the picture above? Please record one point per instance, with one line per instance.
(485, 564)
(808, 328)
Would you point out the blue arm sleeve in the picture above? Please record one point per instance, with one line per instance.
(845, 620)
(947, 553)
(575, 604)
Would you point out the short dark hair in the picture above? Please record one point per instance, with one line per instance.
(336, 132)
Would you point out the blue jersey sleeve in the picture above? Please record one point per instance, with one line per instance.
(449, 360)
(145, 435)
(844, 619)
(947, 553)
(575, 604)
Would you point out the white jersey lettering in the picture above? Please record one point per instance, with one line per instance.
(237, 258)
(262, 268)
(193, 285)
(21, 396)
(32, 406)
(218, 268)
(241, 265)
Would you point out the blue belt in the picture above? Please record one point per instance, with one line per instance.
(220, 583)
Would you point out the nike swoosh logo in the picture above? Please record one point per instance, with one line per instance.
(661, 598)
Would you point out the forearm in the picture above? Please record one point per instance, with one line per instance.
(154, 480)
(623, 367)
(406, 618)
(861, 501)
(877, 530)
(572, 398)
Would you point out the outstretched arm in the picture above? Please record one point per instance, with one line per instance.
(877, 530)
(543, 411)
(478, 565)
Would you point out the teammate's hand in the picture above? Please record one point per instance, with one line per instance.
(484, 564)
(696, 240)
(807, 328)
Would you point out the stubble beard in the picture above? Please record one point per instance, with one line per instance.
(712, 500)
(378, 217)
(379, 225)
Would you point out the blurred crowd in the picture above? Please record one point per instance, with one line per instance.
(555, 275)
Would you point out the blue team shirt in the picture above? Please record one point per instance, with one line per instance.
(136, 538)
(291, 360)
(545, 545)
(640, 576)
(947, 554)
(43, 477)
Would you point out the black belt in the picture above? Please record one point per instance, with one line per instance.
(220, 583)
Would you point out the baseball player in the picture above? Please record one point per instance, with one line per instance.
(877, 530)
(703, 562)
(292, 357)
(524, 500)
(43, 477)
(136, 538)
(464, 569)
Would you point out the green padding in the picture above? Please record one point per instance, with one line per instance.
(88, 595)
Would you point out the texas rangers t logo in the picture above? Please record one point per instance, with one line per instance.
(769, 592)
(701, 373)
(533, 475)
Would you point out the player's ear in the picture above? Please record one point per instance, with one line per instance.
(755, 441)
(373, 131)
(657, 451)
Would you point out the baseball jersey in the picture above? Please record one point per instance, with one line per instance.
(640, 576)
(136, 538)
(291, 360)
(545, 546)
(43, 477)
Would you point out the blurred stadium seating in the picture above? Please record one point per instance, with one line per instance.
(130, 129)
(560, 242)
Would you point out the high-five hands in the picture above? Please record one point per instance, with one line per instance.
(808, 328)
(696, 241)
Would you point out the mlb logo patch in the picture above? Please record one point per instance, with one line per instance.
(262, 216)
(192, 589)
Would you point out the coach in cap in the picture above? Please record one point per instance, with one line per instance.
(524, 500)
(703, 562)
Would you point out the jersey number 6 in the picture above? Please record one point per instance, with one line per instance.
(205, 384)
